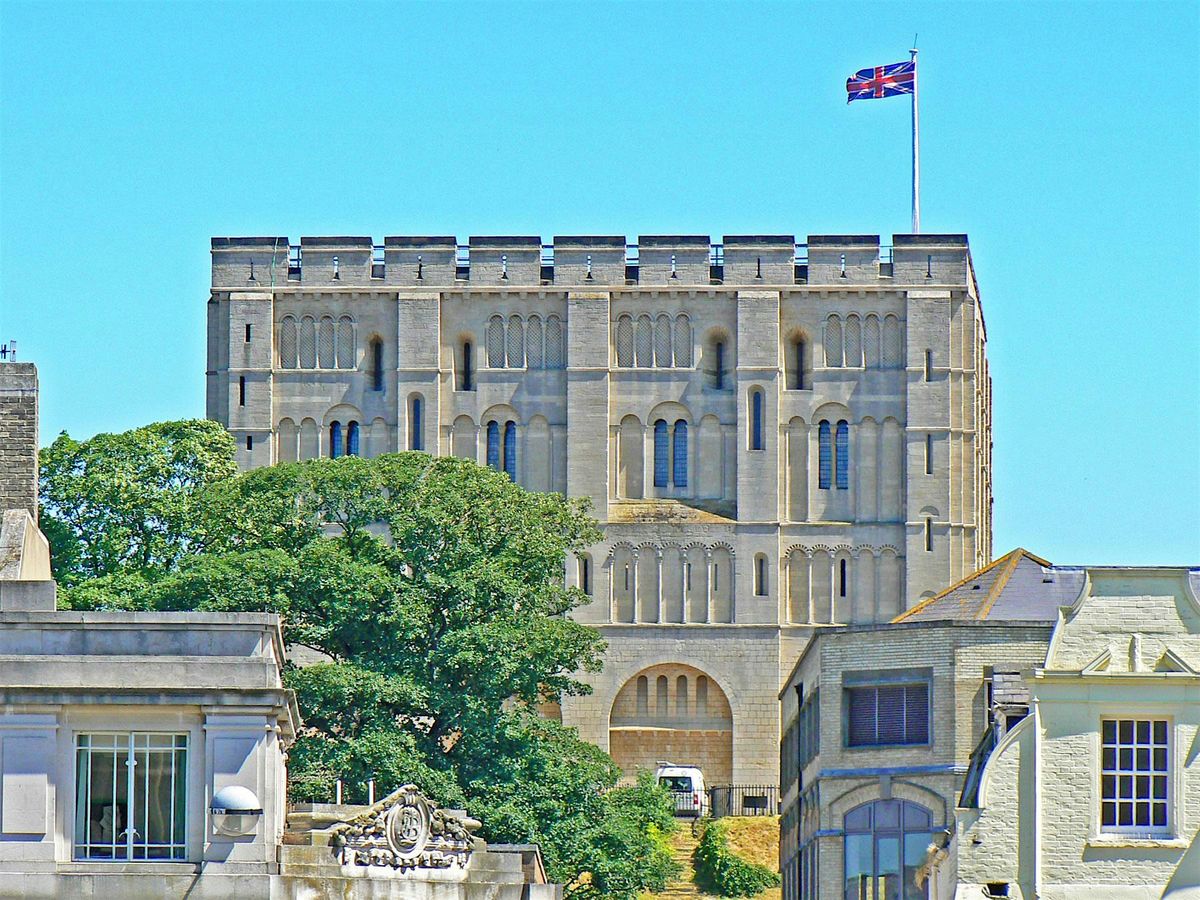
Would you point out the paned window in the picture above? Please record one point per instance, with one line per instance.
(416, 424)
(719, 365)
(661, 456)
(493, 444)
(335, 439)
(346, 349)
(645, 342)
(679, 468)
(515, 346)
(887, 714)
(308, 343)
(662, 342)
(131, 796)
(377, 365)
(534, 343)
(326, 345)
(808, 738)
(554, 343)
(467, 373)
(287, 343)
(683, 342)
(1134, 775)
(824, 456)
(495, 343)
(624, 342)
(842, 440)
(510, 449)
(352, 440)
(884, 850)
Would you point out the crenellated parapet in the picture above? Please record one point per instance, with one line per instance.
(499, 262)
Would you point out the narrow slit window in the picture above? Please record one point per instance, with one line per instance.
(335, 439)
(241, 390)
(757, 430)
(719, 363)
(249, 442)
(929, 365)
(842, 441)
(510, 449)
(352, 439)
(928, 534)
(585, 574)
(468, 367)
(493, 444)
(798, 354)
(249, 331)
(416, 433)
(824, 456)
(929, 454)
(760, 575)
(377, 365)
(661, 459)
(842, 578)
(679, 450)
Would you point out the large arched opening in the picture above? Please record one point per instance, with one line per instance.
(672, 713)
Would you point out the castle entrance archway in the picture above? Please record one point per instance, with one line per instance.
(672, 713)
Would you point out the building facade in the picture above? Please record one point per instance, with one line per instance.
(775, 437)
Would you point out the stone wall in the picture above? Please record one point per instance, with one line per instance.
(19, 437)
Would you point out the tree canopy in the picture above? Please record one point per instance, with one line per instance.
(429, 588)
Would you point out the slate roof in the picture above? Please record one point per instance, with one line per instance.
(1017, 587)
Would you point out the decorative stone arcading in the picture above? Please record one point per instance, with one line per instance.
(404, 831)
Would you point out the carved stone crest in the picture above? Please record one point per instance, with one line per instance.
(404, 830)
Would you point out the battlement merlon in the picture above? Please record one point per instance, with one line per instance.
(573, 261)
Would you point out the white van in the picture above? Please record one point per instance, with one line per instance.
(686, 784)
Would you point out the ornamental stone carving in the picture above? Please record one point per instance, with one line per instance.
(404, 830)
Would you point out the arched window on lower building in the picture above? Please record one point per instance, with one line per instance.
(719, 365)
(661, 455)
(884, 847)
(799, 366)
(510, 449)
(352, 439)
(842, 441)
(376, 364)
(493, 444)
(679, 451)
(416, 423)
(585, 573)
(335, 439)
(824, 456)
(643, 695)
(466, 368)
(661, 689)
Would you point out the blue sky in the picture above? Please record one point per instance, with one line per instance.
(1063, 138)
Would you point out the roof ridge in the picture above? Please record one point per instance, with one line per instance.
(999, 584)
(954, 587)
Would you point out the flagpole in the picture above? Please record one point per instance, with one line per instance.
(916, 153)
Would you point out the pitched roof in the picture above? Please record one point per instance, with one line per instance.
(1014, 588)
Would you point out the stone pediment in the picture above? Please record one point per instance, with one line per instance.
(405, 830)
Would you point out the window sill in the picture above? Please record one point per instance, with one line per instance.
(120, 866)
(853, 747)
(1112, 841)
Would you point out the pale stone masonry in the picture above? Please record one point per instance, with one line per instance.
(18, 437)
(775, 436)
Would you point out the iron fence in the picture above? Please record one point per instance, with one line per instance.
(743, 800)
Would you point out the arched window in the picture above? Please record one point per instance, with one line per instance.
(624, 342)
(799, 364)
(854, 357)
(308, 343)
(416, 423)
(326, 345)
(346, 351)
(660, 699)
(662, 342)
(376, 364)
(287, 343)
(842, 579)
(466, 372)
(871, 342)
(719, 365)
(661, 455)
(701, 695)
(493, 444)
(842, 441)
(495, 343)
(760, 575)
(757, 427)
(681, 696)
(510, 449)
(352, 441)
(555, 354)
(515, 345)
(824, 456)
(884, 849)
(644, 342)
(892, 345)
(335, 439)
(683, 342)
(643, 695)
(534, 343)
(679, 469)
(585, 573)
(833, 342)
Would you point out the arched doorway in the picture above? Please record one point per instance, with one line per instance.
(672, 713)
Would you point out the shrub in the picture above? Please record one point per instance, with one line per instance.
(720, 871)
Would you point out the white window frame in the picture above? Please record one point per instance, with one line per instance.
(135, 741)
(1149, 831)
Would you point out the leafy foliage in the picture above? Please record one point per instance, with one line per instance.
(431, 591)
(720, 871)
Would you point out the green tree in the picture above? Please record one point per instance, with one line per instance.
(433, 590)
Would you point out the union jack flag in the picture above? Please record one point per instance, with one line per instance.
(881, 81)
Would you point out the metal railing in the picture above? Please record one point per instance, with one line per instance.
(743, 800)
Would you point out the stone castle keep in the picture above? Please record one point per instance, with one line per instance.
(775, 437)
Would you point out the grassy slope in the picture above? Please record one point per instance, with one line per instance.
(753, 838)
